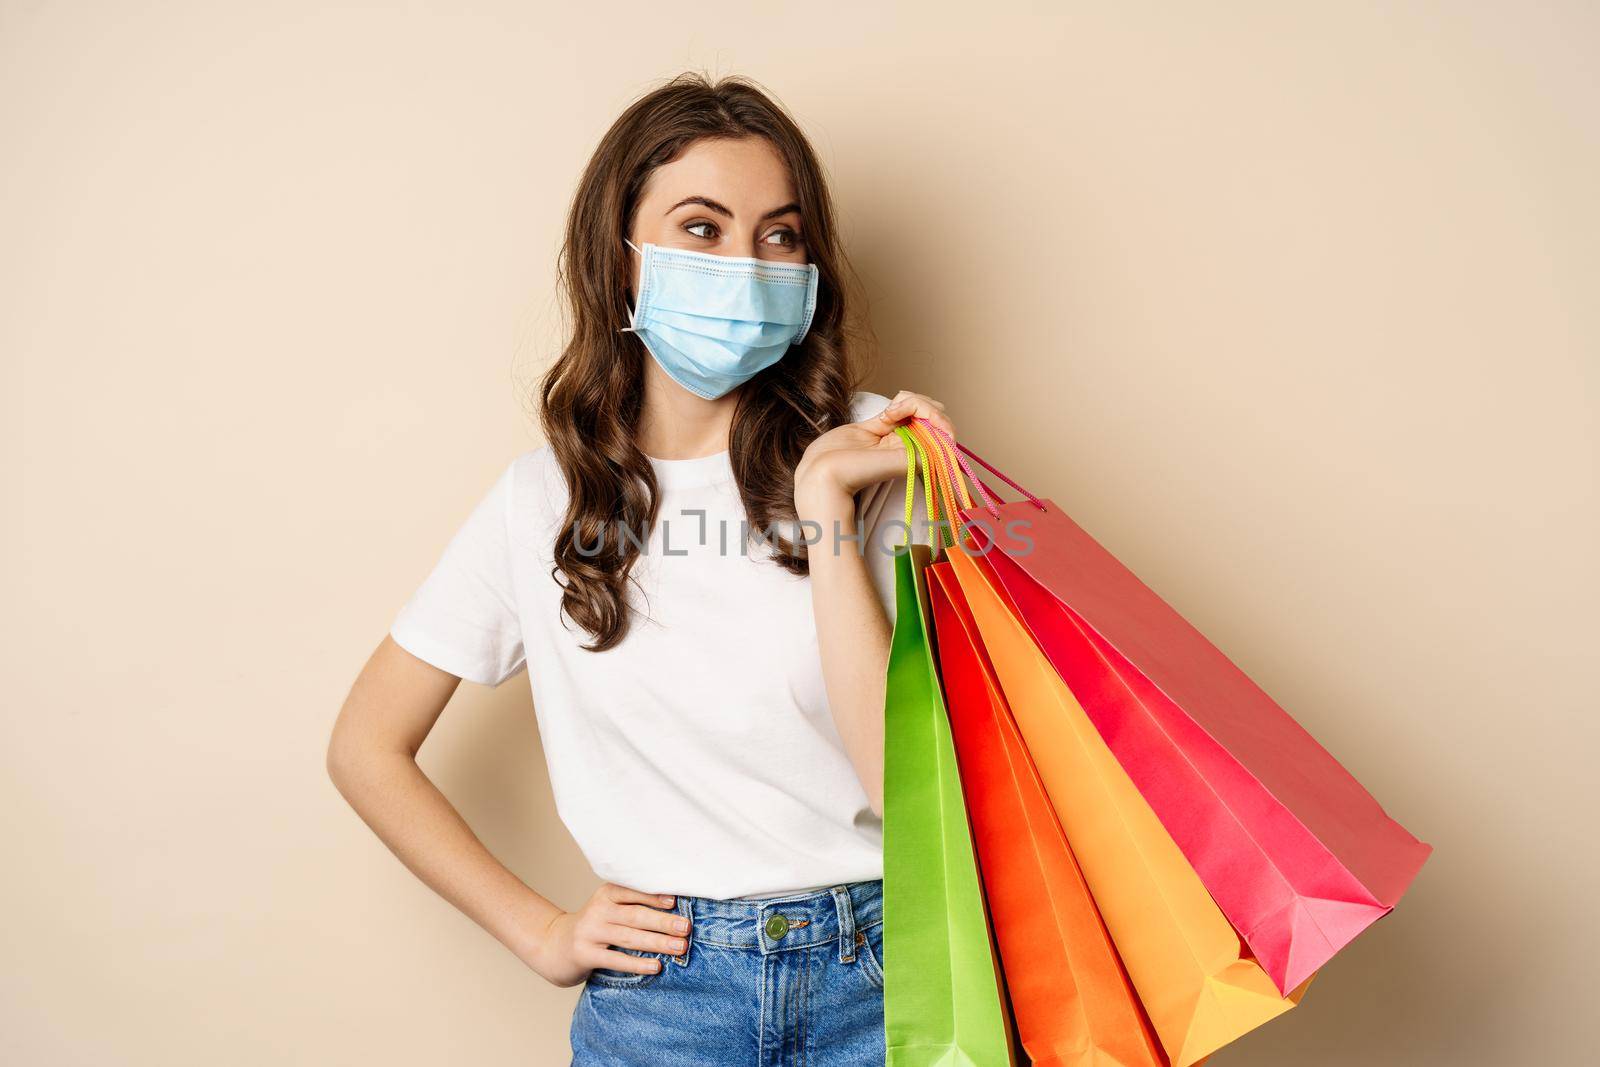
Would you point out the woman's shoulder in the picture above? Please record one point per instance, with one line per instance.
(865, 404)
(536, 483)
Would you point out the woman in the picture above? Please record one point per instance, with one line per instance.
(697, 572)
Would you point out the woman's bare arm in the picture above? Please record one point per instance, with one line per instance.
(371, 758)
(852, 638)
(853, 632)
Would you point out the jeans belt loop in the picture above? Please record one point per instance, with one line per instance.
(847, 923)
(681, 906)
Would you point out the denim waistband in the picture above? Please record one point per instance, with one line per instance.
(779, 924)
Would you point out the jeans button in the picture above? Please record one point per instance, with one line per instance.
(777, 926)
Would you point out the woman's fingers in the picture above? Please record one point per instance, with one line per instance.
(646, 939)
(613, 960)
(622, 894)
(848, 458)
(634, 919)
(908, 405)
(642, 918)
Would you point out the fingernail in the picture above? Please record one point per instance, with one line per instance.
(677, 946)
(682, 926)
(667, 900)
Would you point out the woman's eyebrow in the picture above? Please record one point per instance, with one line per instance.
(706, 201)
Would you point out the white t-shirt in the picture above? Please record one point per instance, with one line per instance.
(699, 755)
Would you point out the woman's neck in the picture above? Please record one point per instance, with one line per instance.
(676, 424)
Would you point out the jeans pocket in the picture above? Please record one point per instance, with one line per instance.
(870, 952)
(605, 976)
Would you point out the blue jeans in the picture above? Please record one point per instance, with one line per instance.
(778, 982)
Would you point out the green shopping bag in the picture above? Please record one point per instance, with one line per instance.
(943, 991)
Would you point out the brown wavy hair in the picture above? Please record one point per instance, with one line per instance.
(590, 399)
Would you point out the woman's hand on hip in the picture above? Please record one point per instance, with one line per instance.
(848, 458)
(576, 942)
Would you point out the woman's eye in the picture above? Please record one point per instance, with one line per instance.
(789, 239)
(690, 227)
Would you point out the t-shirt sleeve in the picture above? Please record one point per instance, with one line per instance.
(463, 617)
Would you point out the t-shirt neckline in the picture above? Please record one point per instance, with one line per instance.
(701, 470)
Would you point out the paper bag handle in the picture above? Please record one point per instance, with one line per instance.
(954, 448)
(917, 457)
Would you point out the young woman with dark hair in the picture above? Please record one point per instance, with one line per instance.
(696, 570)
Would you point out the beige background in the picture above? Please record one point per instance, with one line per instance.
(1291, 305)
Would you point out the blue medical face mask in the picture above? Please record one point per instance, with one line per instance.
(715, 322)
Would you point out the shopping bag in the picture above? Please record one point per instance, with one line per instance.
(1073, 1003)
(943, 997)
(1298, 855)
(1193, 977)
(1071, 997)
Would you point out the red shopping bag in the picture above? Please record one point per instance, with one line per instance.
(1296, 853)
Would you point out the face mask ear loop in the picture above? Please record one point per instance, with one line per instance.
(633, 312)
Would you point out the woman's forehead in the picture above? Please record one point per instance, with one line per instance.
(746, 176)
